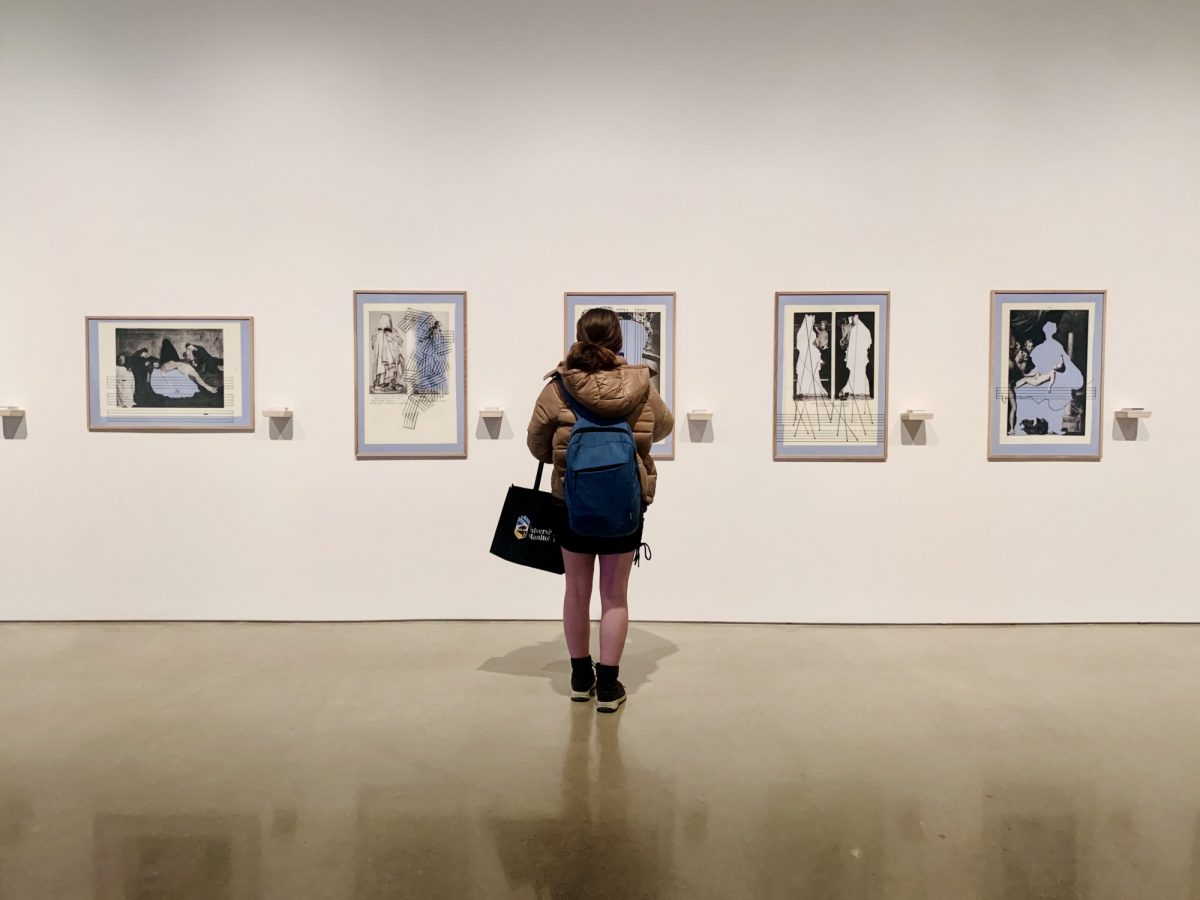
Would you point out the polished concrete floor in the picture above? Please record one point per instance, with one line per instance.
(430, 760)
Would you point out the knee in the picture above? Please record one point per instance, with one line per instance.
(579, 594)
(613, 598)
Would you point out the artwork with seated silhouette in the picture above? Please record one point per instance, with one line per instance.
(1046, 365)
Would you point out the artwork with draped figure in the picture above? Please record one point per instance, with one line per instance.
(647, 338)
(1046, 375)
(410, 374)
(830, 376)
(170, 374)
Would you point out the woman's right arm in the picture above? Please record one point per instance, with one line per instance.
(543, 423)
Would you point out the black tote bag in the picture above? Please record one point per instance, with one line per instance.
(525, 533)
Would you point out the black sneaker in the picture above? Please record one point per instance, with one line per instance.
(609, 697)
(583, 680)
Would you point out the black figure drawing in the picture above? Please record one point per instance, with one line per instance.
(410, 353)
(1047, 362)
(177, 368)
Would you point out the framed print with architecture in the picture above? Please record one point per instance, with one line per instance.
(1047, 375)
(647, 335)
(170, 374)
(410, 376)
(831, 357)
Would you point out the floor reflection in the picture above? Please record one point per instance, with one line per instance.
(177, 857)
(614, 833)
(821, 841)
(1035, 838)
(408, 845)
(382, 761)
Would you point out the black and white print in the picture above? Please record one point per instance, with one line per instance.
(168, 368)
(410, 350)
(641, 340)
(833, 378)
(1048, 389)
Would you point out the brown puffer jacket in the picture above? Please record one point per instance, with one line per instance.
(612, 393)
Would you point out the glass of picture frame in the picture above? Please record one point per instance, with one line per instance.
(648, 337)
(171, 373)
(410, 378)
(1046, 375)
(831, 366)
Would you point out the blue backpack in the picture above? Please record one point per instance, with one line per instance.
(602, 486)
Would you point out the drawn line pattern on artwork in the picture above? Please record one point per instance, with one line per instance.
(837, 422)
(410, 361)
(833, 390)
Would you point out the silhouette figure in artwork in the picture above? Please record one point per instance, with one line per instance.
(811, 340)
(174, 377)
(856, 342)
(1044, 393)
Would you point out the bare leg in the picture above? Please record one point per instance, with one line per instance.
(577, 600)
(614, 608)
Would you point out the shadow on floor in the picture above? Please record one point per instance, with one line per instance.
(548, 659)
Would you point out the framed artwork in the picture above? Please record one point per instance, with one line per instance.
(831, 364)
(1047, 373)
(410, 374)
(170, 374)
(647, 336)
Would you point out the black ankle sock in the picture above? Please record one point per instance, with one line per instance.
(606, 674)
(581, 664)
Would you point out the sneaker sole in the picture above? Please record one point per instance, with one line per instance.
(582, 696)
(609, 706)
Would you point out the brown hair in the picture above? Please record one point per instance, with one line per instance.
(597, 341)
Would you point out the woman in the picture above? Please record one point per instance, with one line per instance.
(600, 380)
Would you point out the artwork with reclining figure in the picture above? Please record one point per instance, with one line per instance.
(170, 374)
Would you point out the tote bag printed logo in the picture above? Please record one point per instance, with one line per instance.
(522, 529)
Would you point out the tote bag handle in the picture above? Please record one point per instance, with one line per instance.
(537, 482)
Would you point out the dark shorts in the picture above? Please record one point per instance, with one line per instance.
(578, 543)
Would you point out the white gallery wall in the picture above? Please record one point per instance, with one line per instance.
(268, 158)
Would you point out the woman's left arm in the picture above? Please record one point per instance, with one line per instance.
(664, 420)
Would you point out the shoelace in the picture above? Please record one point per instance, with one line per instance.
(637, 556)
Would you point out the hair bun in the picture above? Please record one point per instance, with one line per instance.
(589, 357)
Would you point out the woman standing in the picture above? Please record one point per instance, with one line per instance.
(600, 380)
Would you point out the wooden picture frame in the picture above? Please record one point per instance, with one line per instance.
(410, 374)
(831, 391)
(1046, 397)
(202, 378)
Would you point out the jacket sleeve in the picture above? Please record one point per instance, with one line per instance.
(664, 420)
(543, 424)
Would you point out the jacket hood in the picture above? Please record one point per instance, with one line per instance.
(611, 393)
